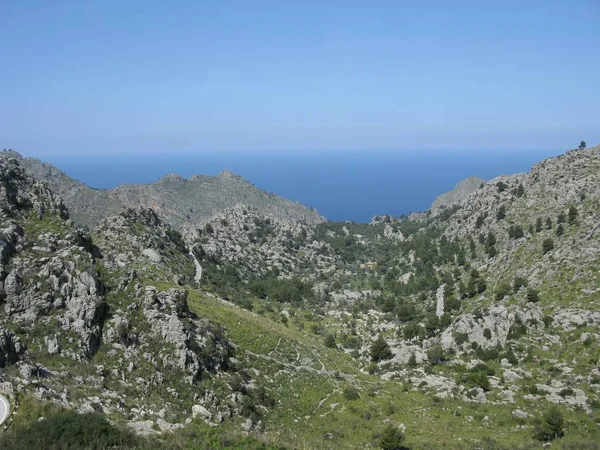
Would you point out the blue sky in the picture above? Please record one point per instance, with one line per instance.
(199, 76)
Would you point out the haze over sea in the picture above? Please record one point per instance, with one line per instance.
(340, 185)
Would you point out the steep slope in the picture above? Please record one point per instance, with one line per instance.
(102, 322)
(177, 200)
(460, 191)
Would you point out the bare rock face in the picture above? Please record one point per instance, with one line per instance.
(183, 335)
(47, 270)
(11, 348)
(451, 198)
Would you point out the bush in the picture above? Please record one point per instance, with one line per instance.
(380, 350)
(515, 232)
(445, 320)
(539, 225)
(351, 393)
(532, 295)
(547, 245)
(551, 425)
(461, 338)
(412, 361)
(519, 283)
(501, 214)
(478, 379)
(511, 357)
(502, 291)
(391, 438)
(520, 191)
(479, 221)
(412, 330)
(435, 355)
(329, 340)
(69, 430)
(572, 215)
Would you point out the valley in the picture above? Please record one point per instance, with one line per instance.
(256, 323)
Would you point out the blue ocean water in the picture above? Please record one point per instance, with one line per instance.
(340, 185)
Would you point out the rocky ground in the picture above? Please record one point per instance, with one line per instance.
(481, 314)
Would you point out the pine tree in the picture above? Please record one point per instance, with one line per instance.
(572, 215)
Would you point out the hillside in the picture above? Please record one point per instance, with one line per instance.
(177, 200)
(461, 329)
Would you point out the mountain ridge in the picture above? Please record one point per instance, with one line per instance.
(179, 201)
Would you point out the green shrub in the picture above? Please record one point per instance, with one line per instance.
(351, 393)
(391, 438)
(519, 283)
(66, 429)
(412, 330)
(572, 215)
(461, 338)
(435, 355)
(551, 425)
(380, 350)
(532, 295)
(501, 213)
(412, 361)
(502, 291)
(329, 340)
(477, 379)
(547, 245)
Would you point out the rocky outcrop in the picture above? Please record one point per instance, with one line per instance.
(460, 191)
(498, 321)
(256, 244)
(47, 268)
(138, 237)
(183, 336)
(19, 192)
(11, 348)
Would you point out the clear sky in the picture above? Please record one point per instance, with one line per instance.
(193, 76)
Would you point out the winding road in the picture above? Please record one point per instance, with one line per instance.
(439, 310)
(4, 409)
(198, 276)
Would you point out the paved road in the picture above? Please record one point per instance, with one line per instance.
(4, 409)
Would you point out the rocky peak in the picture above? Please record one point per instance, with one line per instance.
(7, 154)
(227, 174)
(19, 192)
(460, 191)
